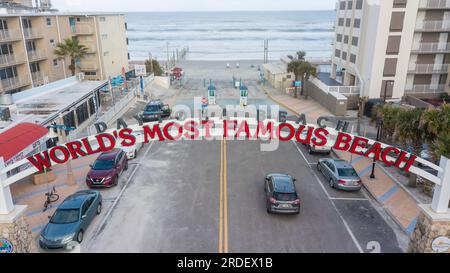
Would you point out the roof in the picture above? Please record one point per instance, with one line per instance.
(276, 67)
(283, 184)
(74, 201)
(109, 154)
(16, 139)
(342, 164)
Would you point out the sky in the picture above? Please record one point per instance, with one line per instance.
(191, 5)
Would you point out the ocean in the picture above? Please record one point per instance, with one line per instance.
(230, 35)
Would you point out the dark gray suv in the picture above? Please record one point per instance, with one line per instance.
(281, 194)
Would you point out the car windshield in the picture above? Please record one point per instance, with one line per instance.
(65, 216)
(285, 196)
(103, 165)
(349, 172)
(151, 108)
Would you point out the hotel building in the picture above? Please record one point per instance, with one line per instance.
(28, 39)
(393, 48)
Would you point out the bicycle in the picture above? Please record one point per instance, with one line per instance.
(52, 197)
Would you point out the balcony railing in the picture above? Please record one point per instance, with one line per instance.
(82, 29)
(433, 25)
(9, 60)
(344, 90)
(431, 47)
(13, 83)
(434, 4)
(36, 55)
(8, 35)
(39, 78)
(425, 88)
(32, 33)
(429, 68)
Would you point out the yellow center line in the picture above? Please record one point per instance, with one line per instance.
(223, 200)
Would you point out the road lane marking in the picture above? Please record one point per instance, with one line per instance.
(116, 200)
(347, 227)
(349, 199)
(221, 199)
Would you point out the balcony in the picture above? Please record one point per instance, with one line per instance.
(425, 88)
(39, 78)
(429, 69)
(13, 83)
(36, 55)
(434, 4)
(431, 48)
(87, 66)
(438, 26)
(82, 29)
(9, 36)
(10, 60)
(32, 33)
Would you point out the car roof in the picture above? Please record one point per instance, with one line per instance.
(283, 183)
(75, 200)
(342, 164)
(109, 154)
(154, 102)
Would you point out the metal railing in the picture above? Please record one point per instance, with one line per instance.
(433, 25)
(434, 4)
(429, 68)
(82, 29)
(39, 78)
(8, 35)
(425, 88)
(36, 55)
(13, 83)
(9, 59)
(344, 90)
(431, 47)
(31, 33)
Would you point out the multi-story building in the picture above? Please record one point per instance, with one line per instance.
(28, 40)
(393, 48)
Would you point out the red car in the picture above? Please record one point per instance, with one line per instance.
(106, 169)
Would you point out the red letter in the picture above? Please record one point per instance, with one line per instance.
(225, 127)
(112, 141)
(408, 161)
(55, 158)
(320, 133)
(298, 134)
(243, 128)
(291, 131)
(88, 147)
(166, 130)
(39, 162)
(342, 138)
(191, 126)
(385, 154)
(75, 149)
(126, 134)
(375, 149)
(357, 143)
(261, 128)
(151, 133)
(207, 127)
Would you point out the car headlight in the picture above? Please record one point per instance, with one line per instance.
(67, 238)
(108, 178)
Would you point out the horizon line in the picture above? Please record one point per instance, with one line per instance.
(192, 11)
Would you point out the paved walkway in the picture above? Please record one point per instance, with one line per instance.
(398, 203)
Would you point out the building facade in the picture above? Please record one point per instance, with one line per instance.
(393, 48)
(28, 41)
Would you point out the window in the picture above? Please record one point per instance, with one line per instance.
(104, 36)
(337, 53)
(3, 25)
(106, 53)
(52, 43)
(350, 4)
(359, 4)
(346, 39)
(341, 22)
(357, 23)
(31, 46)
(49, 21)
(55, 63)
(26, 23)
(355, 41)
(6, 49)
(393, 46)
(82, 113)
(34, 67)
(69, 120)
(342, 5)
(348, 22)
(400, 3)
(339, 37)
(7, 73)
(90, 73)
(344, 55)
(353, 58)
(92, 106)
(397, 21)
(390, 67)
(102, 19)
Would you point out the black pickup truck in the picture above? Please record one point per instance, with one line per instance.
(156, 110)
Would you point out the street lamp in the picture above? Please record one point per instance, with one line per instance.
(379, 127)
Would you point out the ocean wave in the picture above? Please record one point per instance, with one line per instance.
(299, 30)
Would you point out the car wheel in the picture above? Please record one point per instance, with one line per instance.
(99, 208)
(331, 183)
(117, 180)
(319, 168)
(126, 166)
(80, 236)
(269, 210)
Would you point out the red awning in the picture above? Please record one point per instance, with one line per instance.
(16, 139)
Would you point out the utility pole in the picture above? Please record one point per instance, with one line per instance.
(150, 57)
(266, 51)
(168, 56)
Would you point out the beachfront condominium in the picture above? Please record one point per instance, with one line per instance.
(28, 40)
(393, 48)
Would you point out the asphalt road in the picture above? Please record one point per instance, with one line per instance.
(173, 203)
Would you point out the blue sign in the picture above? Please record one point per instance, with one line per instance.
(6, 246)
(298, 83)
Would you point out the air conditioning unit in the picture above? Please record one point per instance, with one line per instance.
(80, 76)
(5, 114)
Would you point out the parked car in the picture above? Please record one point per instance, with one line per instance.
(313, 148)
(107, 168)
(71, 219)
(281, 194)
(156, 110)
(132, 151)
(340, 174)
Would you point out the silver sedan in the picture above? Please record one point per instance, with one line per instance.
(340, 174)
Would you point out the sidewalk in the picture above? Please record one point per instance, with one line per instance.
(389, 193)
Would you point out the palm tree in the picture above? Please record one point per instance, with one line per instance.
(302, 70)
(301, 55)
(71, 48)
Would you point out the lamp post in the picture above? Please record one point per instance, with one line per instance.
(379, 126)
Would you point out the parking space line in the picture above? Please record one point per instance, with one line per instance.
(349, 199)
(347, 227)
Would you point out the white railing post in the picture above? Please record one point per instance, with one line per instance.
(6, 202)
(441, 196)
